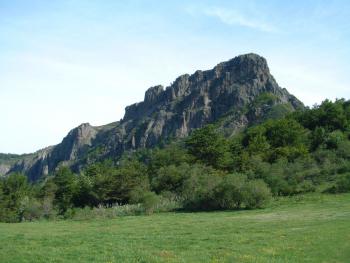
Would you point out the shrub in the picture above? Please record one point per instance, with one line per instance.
(149, 202)
(231, 191)
(256, 194)
(30, 209)
(229, 194)
(342, 184)
(306, 187)
(199, 188)
(48, 211)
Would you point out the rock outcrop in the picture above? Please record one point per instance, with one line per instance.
(229, 92)
(4, 168)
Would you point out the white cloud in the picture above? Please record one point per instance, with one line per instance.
(234, 18)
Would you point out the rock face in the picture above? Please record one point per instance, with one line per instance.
(74, 145)
(4, 168)
(229, 92)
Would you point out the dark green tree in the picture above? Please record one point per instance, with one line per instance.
(208, 146)
(66, 183)
(15, 189)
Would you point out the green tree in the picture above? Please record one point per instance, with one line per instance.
(85, 193)
(131, 175)
(285, 132)
(318, 137)
(170, 178)
(15, 188)
(329, 115)
(255, 140)
(172, 154)
(66, 183)
(208, 146)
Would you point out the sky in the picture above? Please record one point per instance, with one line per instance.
(63, 63)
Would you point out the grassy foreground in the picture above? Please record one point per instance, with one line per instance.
(313, 228)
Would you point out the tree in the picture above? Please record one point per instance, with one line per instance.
(329, 115)
(172, 154)
(318, 137)
(208, 146)
(85, 193)
(131, 174)
(170, 178)
(255, 140)
(285, 132)
(15, 188)
(66, 184)
(101, 175)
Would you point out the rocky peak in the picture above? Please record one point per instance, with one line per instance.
(152, 94)
(75, 141)
(83, 133)
(244, 68)
(195, 100)
(179, 87)
(226, 92)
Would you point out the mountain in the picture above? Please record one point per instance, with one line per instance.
(8, 160)
(234, 94)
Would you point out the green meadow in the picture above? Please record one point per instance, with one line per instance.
(308, 228)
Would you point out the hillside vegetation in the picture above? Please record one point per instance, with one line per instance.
(305, 151)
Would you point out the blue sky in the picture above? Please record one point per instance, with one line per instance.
(68, 62)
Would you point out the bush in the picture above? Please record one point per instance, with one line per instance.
(30, 209)
(256, 194)
(48, 211)
(229, 194)
(199, 188)
(342, 184)
(149, 202)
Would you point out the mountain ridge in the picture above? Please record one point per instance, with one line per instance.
(228, 91)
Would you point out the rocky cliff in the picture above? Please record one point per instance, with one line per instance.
(234, 94)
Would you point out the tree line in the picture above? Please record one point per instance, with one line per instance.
(306, 151)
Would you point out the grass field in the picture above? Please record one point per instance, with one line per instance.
(311, 228)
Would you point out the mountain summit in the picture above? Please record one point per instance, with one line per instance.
(234, 94)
